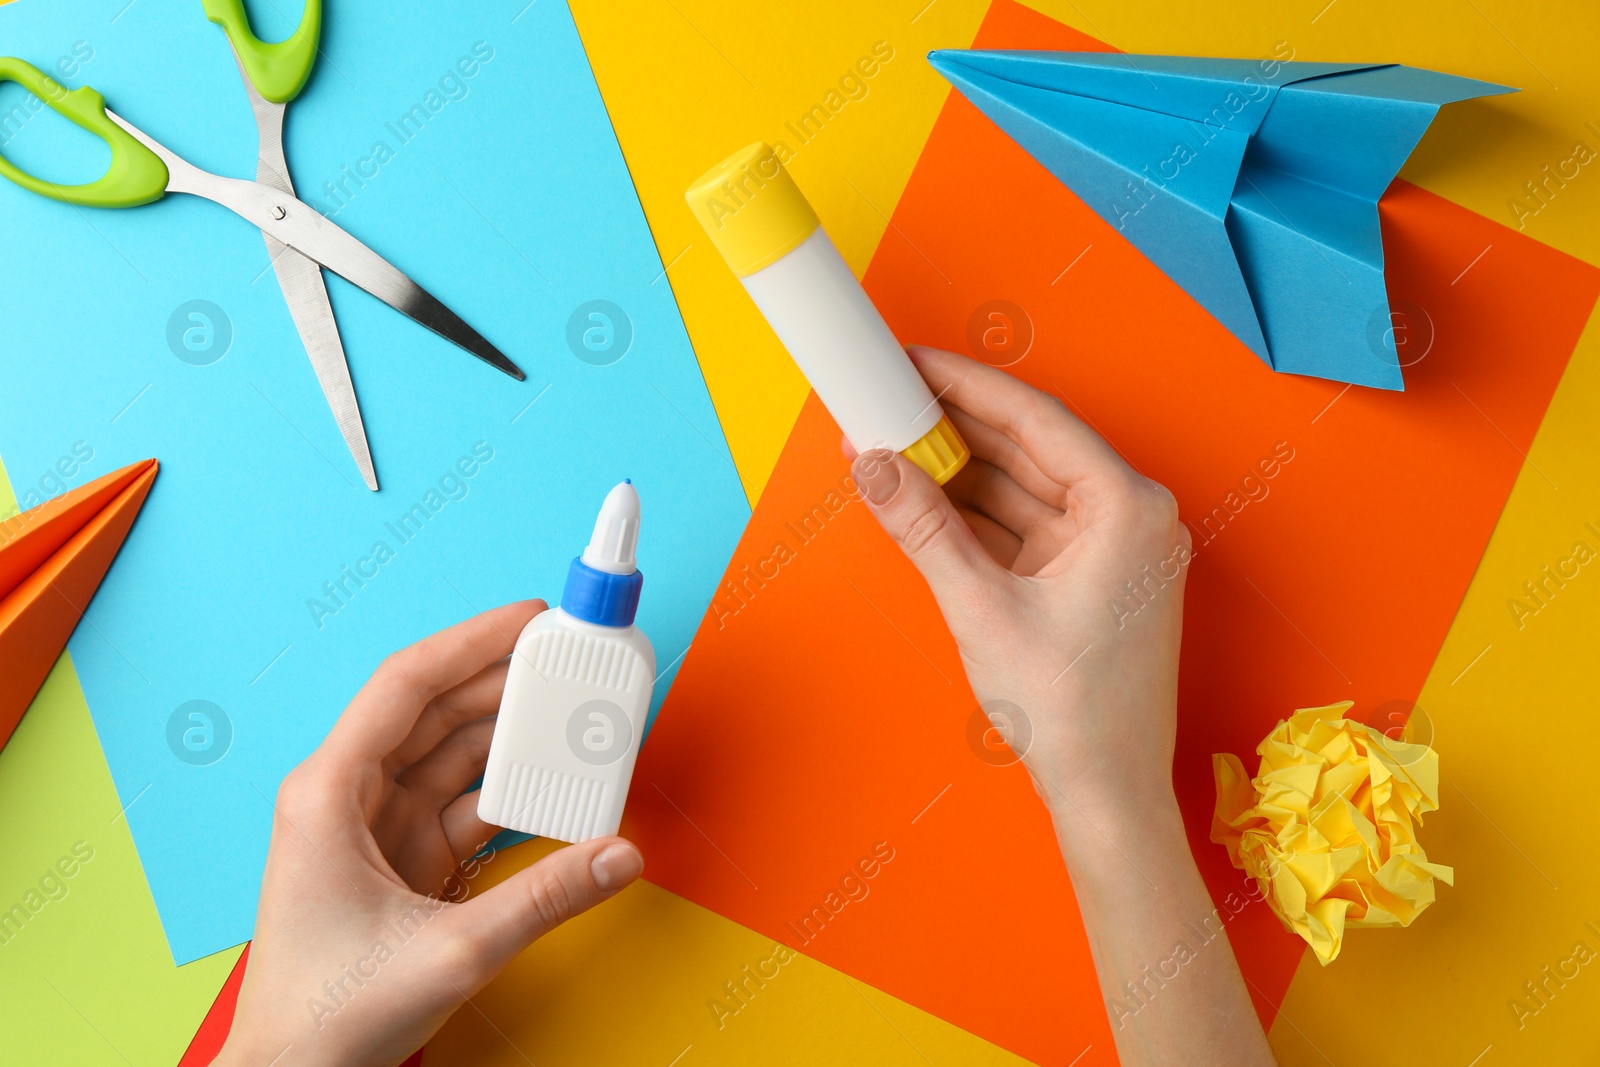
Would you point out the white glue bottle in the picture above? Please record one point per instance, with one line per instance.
(576, 696)
(764, 227)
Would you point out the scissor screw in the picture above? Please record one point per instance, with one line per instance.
(278, 213)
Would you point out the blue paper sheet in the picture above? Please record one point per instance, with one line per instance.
(1253, 184)
(469, 145)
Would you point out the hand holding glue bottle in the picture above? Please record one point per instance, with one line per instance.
(763, 226)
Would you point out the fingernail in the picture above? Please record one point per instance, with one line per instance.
(616, 866)
(877, 474)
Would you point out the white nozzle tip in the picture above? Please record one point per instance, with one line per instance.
(615, 544)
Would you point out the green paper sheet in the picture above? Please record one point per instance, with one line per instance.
(86, 979)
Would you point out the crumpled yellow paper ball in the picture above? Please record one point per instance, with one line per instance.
(1328, 826)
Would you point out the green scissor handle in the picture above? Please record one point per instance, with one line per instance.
(136, 175)
(278, 70)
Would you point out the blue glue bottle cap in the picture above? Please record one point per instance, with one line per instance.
(603, 583)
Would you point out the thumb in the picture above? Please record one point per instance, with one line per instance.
(917, 515)
(509, 917)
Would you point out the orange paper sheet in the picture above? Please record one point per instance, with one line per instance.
(821, 714)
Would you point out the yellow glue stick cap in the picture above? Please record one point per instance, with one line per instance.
(941, 451)
(751, 208)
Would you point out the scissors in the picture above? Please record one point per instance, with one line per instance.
(300, 241)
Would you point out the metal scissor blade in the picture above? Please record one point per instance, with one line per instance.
(306, 293)
(304, 229)
(307, 296)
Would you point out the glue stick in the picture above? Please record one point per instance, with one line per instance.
(576, 695)
(765, 229)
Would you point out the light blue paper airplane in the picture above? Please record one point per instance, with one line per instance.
(1254, 184)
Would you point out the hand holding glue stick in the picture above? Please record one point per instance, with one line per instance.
(763, 226)
(1020, 548)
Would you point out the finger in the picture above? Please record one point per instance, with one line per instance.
(383, 714)
(990, 491)
(453, 765)
(504, 920)
(989, 444)
(466, 832)
(475, 698)
(923, 522)
(1062, 447)
(1002, 545)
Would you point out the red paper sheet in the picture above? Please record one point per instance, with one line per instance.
(213, 1032)
(822, 709)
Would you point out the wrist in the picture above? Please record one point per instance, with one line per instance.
(1122, 816)
(1105, 785)
(1129, 812)
(1098, 748)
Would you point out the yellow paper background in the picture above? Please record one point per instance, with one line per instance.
(632, 982)
(687, 81)
(1517, 732)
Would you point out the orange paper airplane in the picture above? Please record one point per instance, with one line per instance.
(52, 559)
